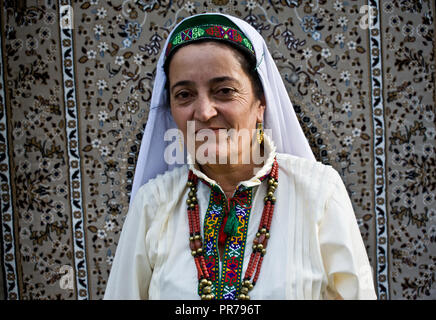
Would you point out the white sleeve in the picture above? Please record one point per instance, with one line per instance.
(131, 271)
(343, 252)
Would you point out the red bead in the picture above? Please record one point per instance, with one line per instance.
(197, 244)
(262, 239)
(203, 264)
(192, 245)
(199, 271)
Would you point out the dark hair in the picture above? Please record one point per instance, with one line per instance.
(245, 58)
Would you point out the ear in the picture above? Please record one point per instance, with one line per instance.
(261, 108)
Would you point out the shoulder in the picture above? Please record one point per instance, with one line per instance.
(305, 169)
(312, 181)
(164, 186)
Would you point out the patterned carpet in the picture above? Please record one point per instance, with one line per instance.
(75, 86)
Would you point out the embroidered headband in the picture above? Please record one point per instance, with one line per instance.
(214, 27)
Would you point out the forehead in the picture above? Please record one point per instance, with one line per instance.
(205, 58)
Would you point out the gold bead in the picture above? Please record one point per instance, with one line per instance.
(267, 235)
(270, 194)
(203, 282)
(209, 283)
(189, 183)
(208, 297)
(273, 199)
(258, 234)
(259, 246)
(250, 287)
(263, 251)
(203, 297)
(197, 237)
(193, 253)
(247, 283)
(265, 199)
(247, 297)
(191, 238)
(254, 246)
(244, 290)
(199, 250)
(241, 296)
(191, 194)
(276, 184)
(263, 230)
(207, 289)
(188, 201)
(271, 181)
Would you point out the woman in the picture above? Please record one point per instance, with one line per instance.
(227, 226)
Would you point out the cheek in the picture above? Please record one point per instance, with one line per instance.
(180, 117)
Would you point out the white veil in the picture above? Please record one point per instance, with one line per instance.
(279, 114)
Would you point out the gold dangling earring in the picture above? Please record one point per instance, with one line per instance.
(259, 132)
(180, 142)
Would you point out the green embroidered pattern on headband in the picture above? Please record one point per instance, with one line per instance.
(208, 27)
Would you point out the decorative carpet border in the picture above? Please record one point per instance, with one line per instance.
(376, 72)
(7, 214)
(71, 115)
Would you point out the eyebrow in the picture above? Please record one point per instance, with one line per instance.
(211, 81)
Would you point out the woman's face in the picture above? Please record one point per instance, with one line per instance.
(209, 87)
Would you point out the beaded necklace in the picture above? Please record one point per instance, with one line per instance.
(259, 243)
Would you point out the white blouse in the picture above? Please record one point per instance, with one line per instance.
(315, 250)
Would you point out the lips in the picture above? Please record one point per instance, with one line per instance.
(213, 129)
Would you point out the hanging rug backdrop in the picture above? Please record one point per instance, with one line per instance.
(75, 86)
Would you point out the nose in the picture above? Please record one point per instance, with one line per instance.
(205, 108)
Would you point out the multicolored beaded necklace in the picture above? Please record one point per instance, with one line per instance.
(259, 244)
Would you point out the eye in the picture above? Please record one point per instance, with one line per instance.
(226, 91)
(182, 95)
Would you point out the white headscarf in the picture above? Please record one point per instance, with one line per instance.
(279, 114)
